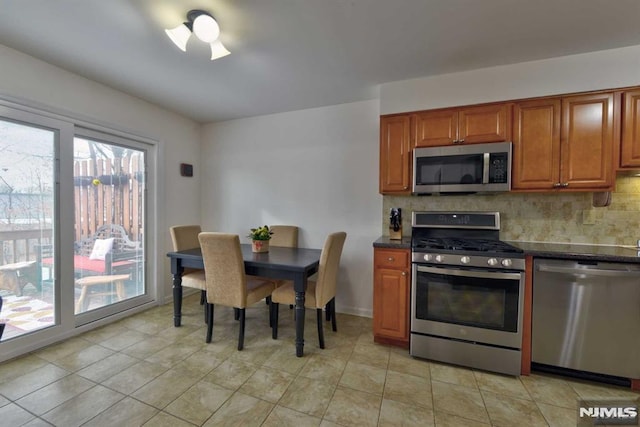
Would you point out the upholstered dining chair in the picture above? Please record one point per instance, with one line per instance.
(186, 237)
(320, 293)
(226, 282)
(284, 236)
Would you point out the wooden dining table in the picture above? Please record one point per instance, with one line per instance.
(295, 264)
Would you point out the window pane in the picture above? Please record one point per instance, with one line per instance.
(109, 223)
(27, 285)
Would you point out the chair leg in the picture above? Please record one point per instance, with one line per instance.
(333, 314)
(269, 303)
(274, 320)
(203, 300)
(241, 334)
(236, 313)
(208, 308)
(320, 331)
(327, 311)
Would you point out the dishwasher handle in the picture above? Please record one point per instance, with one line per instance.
(589, 271)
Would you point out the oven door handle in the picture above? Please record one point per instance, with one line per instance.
(467, 273)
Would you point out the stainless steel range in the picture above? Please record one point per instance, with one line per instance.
(467, 291)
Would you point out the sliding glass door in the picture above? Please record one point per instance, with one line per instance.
(110, 205)
(73, 228)
(27, 224)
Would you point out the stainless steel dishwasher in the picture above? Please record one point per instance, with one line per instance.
(586, 316)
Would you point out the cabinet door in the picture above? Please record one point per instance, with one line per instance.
(391, 303)
(536, 144)
(586, 142)
(395, 154)
(436, 128)
(630, 149)
(487, 123)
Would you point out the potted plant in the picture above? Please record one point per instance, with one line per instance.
(260, 238)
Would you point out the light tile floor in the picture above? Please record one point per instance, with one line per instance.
(143, 371)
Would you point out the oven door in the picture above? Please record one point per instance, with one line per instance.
(472, 305)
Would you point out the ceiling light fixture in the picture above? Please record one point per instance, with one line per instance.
(204, 27)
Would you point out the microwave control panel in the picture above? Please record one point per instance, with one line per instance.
(498, 167)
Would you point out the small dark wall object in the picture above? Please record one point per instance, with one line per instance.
(186, 169)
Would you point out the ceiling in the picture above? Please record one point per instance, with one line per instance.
(295, 54)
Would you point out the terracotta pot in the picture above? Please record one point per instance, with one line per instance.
(260, 246)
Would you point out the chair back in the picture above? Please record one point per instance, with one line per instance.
(224, 269)
(284, 236)
(185, 237)
(328, 269)
(121, 241)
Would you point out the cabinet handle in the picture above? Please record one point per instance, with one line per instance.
(404, 273)
(456, 141)
(390, 258)
(461, 141)
(405, 188)
(565, 184)
(557, 185)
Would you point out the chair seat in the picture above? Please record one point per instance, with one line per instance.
(285, 294)
(194, 280)
(258, 288)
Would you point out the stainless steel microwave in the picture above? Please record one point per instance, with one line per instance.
(471, 168)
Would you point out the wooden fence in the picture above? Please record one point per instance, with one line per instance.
(115, 198)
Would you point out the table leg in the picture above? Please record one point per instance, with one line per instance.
(177, 299)
(299, 323)
(300, 286)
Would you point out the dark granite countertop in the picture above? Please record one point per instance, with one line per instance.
(579, 251)
(386, 242)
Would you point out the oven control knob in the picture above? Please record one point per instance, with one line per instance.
(506, 262)
(439, 258)
(492, 261)
(465, 260)
(428, 257)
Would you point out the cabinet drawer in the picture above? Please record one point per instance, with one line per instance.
(391, 258)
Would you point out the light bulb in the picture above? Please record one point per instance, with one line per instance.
(206, 28)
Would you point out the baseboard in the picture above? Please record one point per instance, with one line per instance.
(168, 299)
(355, 311)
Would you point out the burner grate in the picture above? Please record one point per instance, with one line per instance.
(461, 244)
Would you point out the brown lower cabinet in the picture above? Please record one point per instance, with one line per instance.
(391, 286)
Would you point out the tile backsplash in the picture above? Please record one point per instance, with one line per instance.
(541, 217)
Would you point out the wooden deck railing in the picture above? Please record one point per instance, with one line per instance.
(20, 245)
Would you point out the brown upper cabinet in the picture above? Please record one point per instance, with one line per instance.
(468, 125)
(395, 154)
(564, 143)
(630, 148)
(401, 133)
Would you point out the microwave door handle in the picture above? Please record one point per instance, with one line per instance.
(485, 168)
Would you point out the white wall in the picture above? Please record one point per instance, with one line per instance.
(37, 83)
(577, 73)
(315, 168)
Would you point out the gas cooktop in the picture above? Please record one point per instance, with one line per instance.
(465, 239)
(463, 244)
